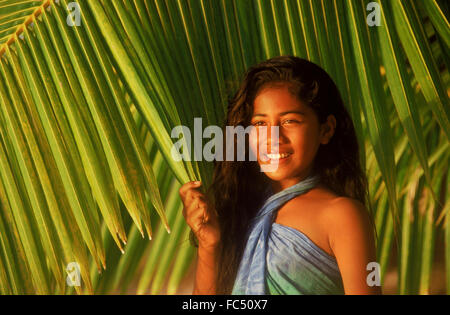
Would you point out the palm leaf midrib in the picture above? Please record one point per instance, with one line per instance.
(27, 20)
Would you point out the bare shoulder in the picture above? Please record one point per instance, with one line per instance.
(347, 218)
(330, 206)
(345, 210)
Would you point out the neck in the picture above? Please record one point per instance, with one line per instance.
(278, 186)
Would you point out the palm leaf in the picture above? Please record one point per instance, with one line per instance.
(86, 115)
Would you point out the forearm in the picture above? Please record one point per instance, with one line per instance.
(205, 276)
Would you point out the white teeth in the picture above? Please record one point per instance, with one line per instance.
(278, 156)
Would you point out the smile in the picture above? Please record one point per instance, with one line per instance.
(278, 156)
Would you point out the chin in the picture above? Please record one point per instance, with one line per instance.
(285, 172)
(277, 175)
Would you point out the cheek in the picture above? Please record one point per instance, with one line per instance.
(257, 137)
(253, 141)
(306, 141)
(258, 145)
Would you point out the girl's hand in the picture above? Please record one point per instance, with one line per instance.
(199, 217)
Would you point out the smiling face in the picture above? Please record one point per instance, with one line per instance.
(300, 135)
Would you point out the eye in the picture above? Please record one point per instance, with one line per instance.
(259, 123)
(290, 121)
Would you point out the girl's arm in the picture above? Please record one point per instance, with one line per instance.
(204, 224)
(206, 272)
(352, 240)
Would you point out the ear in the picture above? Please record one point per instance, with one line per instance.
(327, 129)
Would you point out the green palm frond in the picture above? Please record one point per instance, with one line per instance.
(15, 15)
(86, 115)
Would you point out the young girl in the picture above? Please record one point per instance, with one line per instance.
(302, 228)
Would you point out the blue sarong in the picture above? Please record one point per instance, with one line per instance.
(281, 260)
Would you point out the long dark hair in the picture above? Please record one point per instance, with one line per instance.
(237, 190)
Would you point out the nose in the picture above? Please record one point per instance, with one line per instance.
(275, 138)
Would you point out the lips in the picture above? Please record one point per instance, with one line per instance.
(277, 156)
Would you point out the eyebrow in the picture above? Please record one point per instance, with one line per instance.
(283, 113)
